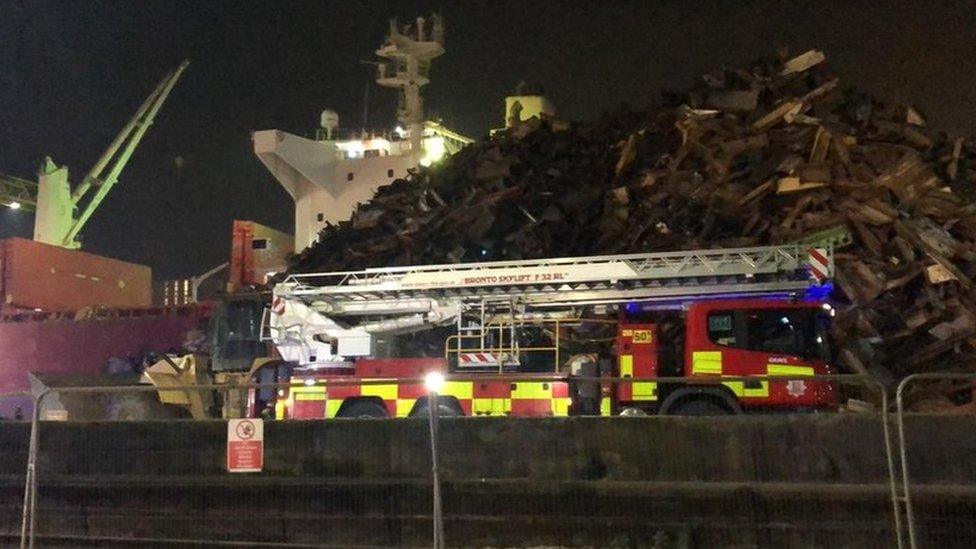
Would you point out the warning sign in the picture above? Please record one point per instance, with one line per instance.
(245, 445)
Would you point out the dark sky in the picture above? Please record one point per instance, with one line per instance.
(72, 72)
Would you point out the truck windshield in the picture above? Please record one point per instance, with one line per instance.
(797, 332)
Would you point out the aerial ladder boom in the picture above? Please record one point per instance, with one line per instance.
(310, 311)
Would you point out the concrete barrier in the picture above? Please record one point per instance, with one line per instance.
(804, 481)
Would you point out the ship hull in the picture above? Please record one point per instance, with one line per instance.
(83, 347)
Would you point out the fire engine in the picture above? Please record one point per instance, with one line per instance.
(529, 338)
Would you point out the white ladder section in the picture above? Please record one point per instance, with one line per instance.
(596, 279)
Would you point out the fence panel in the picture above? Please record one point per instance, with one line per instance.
(938, 475)
(14, 442)
(165, 482)
(773, 479)
(761, 480)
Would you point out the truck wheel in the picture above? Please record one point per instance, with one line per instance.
(698, 407)
(443, 410)
(363, 408)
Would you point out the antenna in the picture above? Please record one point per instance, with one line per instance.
(366, 105)
(407, 53)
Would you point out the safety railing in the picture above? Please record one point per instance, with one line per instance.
(950, 503)
(500, 341)
(305, 469)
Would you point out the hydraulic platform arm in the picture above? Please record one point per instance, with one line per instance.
(310, 311)
(613, 277)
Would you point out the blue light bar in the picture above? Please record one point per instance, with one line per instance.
(819, 293)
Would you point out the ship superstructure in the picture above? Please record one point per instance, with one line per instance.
(328, 175)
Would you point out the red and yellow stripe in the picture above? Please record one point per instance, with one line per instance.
(476, 398)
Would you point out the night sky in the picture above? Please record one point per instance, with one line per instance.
(72, 72)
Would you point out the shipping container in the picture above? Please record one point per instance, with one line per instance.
(36, 276)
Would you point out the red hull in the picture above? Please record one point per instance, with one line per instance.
(83, 347)
(39, 276)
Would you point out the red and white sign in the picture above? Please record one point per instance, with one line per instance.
(486, 359)
(819, 264)
(245, 445)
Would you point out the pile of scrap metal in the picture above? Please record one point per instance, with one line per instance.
(772, 153)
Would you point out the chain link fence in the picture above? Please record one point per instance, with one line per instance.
(781, 478)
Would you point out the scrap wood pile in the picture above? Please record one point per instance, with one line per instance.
(764, 155)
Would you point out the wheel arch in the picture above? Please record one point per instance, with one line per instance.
(348, 402)
(442, 400)
(720, 395)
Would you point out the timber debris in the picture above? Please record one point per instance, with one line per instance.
(768, 154)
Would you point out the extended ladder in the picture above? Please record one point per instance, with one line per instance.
(574, 280)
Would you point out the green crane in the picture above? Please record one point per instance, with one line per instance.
(17, 193)
(60, 213)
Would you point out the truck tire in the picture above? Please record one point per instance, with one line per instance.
(700, 401)
(698, 407)
(363, 409)
(444, 409)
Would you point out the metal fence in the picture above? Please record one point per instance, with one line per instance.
(189, 497)
(763, 481)
(946, 487)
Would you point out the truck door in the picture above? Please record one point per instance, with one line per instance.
(787, 340)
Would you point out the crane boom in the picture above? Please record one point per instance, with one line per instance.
(130, 135)
(92, 177)
(52, 199)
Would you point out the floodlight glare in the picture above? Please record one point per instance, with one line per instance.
(434, 382)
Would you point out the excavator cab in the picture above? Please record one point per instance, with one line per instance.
(235, 333)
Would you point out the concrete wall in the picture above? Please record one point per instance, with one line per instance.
(803, 481)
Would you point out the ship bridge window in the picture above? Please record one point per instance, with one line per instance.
(349, 176)
(259, 244)
(389, 173)
(372, 153)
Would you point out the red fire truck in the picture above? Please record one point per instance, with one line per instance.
(536, 338)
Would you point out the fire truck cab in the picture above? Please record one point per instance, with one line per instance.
(738, 337)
